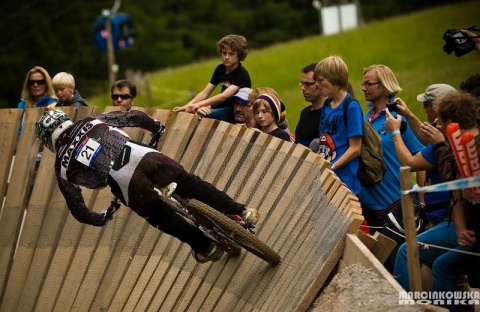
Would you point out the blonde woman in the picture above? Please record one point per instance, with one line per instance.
(37, 91)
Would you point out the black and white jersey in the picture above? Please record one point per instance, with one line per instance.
(86, 153)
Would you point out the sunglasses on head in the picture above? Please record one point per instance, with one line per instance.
(122, 96)
(39, 82)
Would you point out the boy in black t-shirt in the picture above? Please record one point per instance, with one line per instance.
(230, 75)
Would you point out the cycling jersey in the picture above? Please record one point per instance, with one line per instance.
(86, 153)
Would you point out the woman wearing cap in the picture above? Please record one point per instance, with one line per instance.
(266, 111)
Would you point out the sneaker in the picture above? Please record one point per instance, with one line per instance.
(168, 190)
(250, 215)
(214, 253)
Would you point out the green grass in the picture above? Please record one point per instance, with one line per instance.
(410, 45)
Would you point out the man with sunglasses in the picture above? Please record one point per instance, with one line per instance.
(123, 93)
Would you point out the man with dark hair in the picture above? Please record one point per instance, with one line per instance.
(307, 127)
(471, 85)
(123, 93)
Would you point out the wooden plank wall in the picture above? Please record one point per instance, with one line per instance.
(51, 262)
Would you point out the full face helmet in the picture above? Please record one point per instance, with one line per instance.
(50, 126)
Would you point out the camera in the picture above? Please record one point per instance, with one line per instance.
(392, 107)
(456, 41)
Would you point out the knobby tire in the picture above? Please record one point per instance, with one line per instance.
(178, 203)
(235, 232)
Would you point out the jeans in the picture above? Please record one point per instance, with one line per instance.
(224, 114)
(446, 265)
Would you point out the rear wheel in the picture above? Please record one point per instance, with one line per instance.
(233, 231)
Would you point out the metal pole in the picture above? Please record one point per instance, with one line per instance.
(110, 53)
(318, 6)
(112, 66)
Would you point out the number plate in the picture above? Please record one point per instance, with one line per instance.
(88, 151)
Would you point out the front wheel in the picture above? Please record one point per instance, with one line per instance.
(234, 231)
(180, 206)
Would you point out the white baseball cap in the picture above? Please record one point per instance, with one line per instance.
(434, 91)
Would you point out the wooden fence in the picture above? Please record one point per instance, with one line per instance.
(51, 262)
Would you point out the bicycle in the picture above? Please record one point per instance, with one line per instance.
(230, 232)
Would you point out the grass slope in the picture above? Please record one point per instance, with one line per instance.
(410, 45)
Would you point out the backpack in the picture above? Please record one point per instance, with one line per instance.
(371, 168)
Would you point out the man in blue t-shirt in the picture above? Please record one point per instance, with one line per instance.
(380, 87)
(436, 203)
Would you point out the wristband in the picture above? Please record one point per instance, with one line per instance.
(394, 132)
(333, 168)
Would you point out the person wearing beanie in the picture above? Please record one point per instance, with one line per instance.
(267, 110)
(283, 122)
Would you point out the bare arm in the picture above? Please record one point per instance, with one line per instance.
(415, 162)
(353, 151)
(201, 101)
(412, 120)
(202, 95)
(218, 98)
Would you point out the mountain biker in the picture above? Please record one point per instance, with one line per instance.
(94, 153)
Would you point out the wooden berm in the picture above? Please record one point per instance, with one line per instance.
(51, 262)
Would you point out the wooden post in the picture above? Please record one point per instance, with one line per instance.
(413, 261)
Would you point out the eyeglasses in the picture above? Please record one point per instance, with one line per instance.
(306, 83)
(368, 84)
(39, 82)
(122, 96)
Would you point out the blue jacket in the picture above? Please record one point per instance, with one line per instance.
(45, 101)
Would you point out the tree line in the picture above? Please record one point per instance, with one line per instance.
(58, 35)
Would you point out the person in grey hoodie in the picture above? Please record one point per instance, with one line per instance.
(64, 86)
